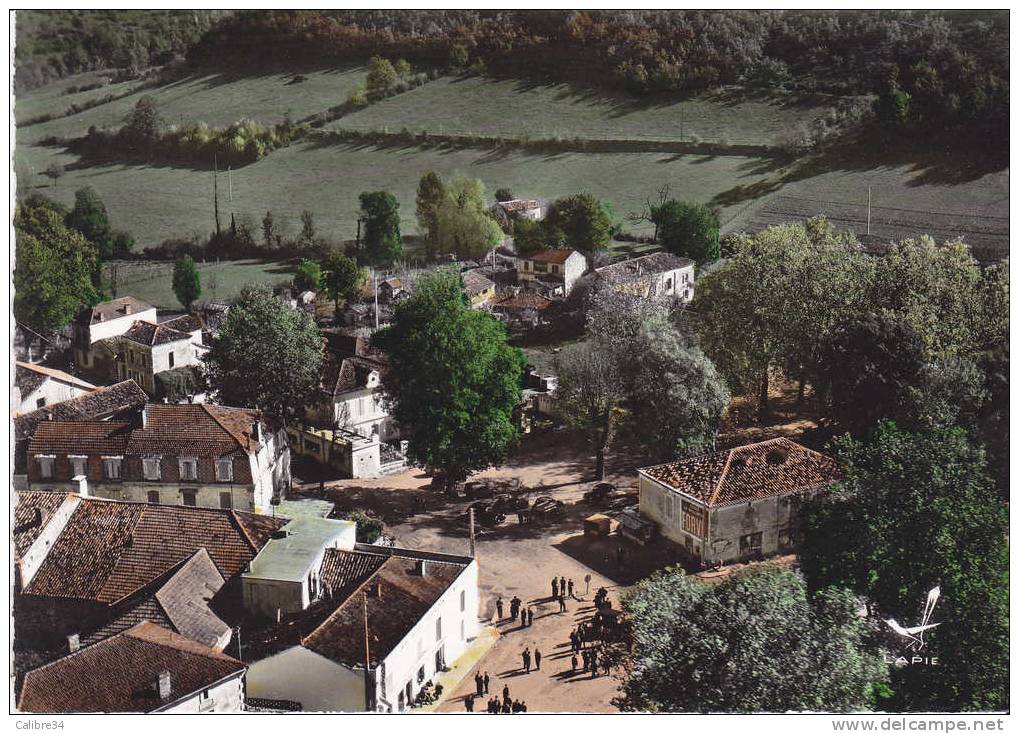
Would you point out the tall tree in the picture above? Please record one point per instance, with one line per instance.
(463, 224)
(584, 222)
(267, 355)
(382, 76)
(307, 227)
(187, 282)
(342, 278)
(455, 381)
(755, 642)
(144, 125)
(55, 268)
(380, 212)
(915, 511)
(688, 230)
(90, 218)
(431, 192)
(308, 276)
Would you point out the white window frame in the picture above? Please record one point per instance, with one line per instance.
(49, 461)
(191, 461)
(147, 464)
(74, 459)
(113, 461)
(228, 474)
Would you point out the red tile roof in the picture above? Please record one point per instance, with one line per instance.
(747, 473)
(150, 334)
(116, 309)
(28, 377)
(121, 674)
(32, 512)
(111, 549)
(96, 405)
(522, 301)
(550, 256)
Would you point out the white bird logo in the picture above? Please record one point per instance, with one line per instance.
(915, 634)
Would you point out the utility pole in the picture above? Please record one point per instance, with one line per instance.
(868, 211)
(237, 631)
(470, 514)
(375, 284)
(215, 189)
(230, 185)
(368, 702)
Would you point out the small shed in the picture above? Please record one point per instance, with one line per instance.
(599, 525)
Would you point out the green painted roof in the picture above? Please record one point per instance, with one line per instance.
(290, 558)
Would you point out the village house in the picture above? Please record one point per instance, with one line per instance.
(353, 396)
(87, 569)
(516, 209)
(554, 271)
(198, 455)
(422, 613)
(523, 309)
(103, 321)
(120, 401)
(145, 669)
(479, 289)
(36, 387)
(146, 349)
(735, 505)
(660, 274)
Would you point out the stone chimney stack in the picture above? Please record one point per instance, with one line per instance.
(421, 567)
(80, 483)
(145, 416)
(256, 431)
(73, 643)
(164, 685)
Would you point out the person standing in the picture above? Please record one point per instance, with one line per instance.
(594, 663)
(486, 680)
(606, 664)
(505, 693)
(562, 586)
(469, 703)
(569, 586)
(530, 617)
(555, 587)
(526, 655)
(573, 663)
(498, 607)
(537, 659)
(479, 684)
(562, 603)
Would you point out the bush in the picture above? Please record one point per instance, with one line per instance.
(369, 528)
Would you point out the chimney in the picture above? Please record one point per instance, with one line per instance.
(421, 567)
(164, 685)
(81, 483)
(73, 643)
(145, 415)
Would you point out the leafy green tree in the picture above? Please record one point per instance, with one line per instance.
(992, 422)
(270, 231)
(689, 230)
(530, 236)
(917, 511)
(307, 227)
(455, 381)
(369, 527)
(380, 212)
(866, 369)
(504, 194)
(90, 218)
(402, 67)
(342, 278)
(431, 193)
(382, 77)
(308, 276)
(463, 224)
(187, 282)
(144, 125)
(267, 355)
(55, 268)
(756, 642)
(585, 222)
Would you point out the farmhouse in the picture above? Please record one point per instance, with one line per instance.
(531, 209)
(479, 289)
(195, 455)
(353, 396)
(146, 349)
(36, 386)
(735, 505)
(101, 322)
(660, 274)
(421, 614)
(145, 669)
(553, 270)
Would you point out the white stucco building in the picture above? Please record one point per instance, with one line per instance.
(103, 321)
(36, 387)
(147, 349)
(556, 270)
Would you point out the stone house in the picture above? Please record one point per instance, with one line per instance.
(147, 349)
(145, 669)
(421, 611)
(660, 274)
(353, 396)
(197, 455)
(104, 321)
(516, 209)
(36, 387)
(479, 289)
(554, 270)
(735, 505)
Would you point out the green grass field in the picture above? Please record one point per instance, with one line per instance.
(221, 281)
(478, 105)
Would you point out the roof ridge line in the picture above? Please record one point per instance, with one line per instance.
(721, 478)
(199, 648)
(244, 531)
(350, 596)
(206, 406)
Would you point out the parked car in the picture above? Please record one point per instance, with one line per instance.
(485, 514)
(599, 493)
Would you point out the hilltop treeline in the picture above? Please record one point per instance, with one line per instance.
(55, 43)
(933, 71)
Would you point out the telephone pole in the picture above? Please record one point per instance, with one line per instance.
(470, 513)
(369, 704)
(375, 287)
(868, 211)
(215, 189)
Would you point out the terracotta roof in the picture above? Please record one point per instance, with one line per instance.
(101, 403)
(475, 282)
(523, 300)
(392, 283)
(551, 256)
(111, 549)
(176, 430)
(121, 674)
(343, 374)
(404, 598)
(28, 377)
(151, 335)
(116, 309)
(32, 512)
(747, 473)
(185, 322)
(636, 268)
(343, 571)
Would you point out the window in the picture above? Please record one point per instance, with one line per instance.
(153, 496)
(79, 466)
(45, 466)
(463, 601)
(463, 631)
(421, 674)
(695, 520)
(438, 629)
(190, 498)
(150, 468)
(111, 467)
(224, 470)
(40, 402)
(169, 357)
(668, 285)
(188, 470)
(750, 544)
(788, 538)
(226, 501)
